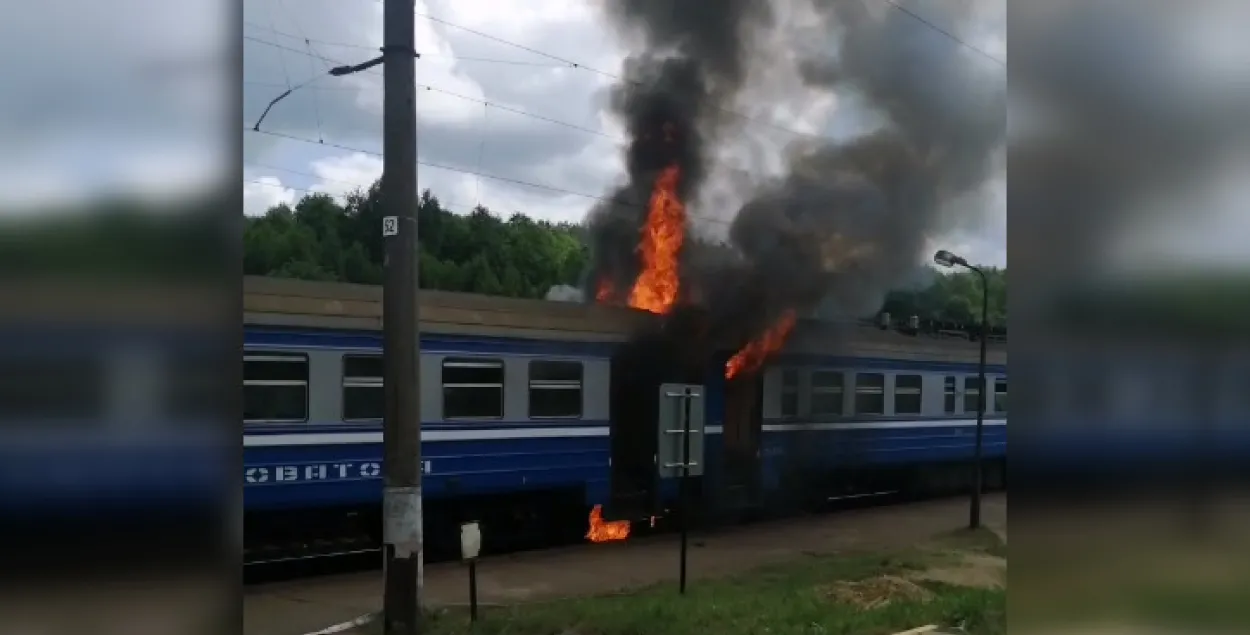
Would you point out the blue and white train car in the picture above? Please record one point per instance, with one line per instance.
(879, 412)
(514, 415)
(529, 418)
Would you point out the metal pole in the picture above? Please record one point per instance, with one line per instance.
(401, 502)
(685, 486)
(473, 590)
(974, 513)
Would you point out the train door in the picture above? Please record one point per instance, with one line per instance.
(637, 373)
(633, 427)
(742, 456)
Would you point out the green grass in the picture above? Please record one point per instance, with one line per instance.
(779, 600)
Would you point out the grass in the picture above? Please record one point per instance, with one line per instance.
(818, 595)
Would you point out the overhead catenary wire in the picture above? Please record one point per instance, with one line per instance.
(313, 55)
(286, 72)
(958, 40)
(572, 64)
(567, 62)
(893, 3)
(423, 54)
(484, 175)
(481, 151)
(427, 87)
(597, 71)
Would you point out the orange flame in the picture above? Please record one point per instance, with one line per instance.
(601, 531)
(752, 355)
(604, 291)
(662, 238)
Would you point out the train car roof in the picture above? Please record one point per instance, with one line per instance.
(298, 303)
(332, 305)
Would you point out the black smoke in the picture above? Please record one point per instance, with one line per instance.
(672, 99)
(851, 217)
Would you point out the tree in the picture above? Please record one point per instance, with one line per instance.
(320, 239)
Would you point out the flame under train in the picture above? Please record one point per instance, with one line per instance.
(539, 419)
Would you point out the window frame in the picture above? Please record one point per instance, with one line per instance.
(580, 387)
(826, 389)
(1000, 381)
(790, 390)
(477, 362)
(971, 393)
(270, 355)
(918, 391)
(869, 390)
(950, 394)
(361, 382)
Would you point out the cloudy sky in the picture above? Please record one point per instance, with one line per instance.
(484, 106)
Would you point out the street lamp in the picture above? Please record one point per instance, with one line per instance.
(948, 259)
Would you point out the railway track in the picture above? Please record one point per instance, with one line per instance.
(325, 557)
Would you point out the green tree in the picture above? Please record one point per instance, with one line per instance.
(320, 239)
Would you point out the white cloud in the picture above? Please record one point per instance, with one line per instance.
(464, 134)
(344, 174)
(264, 192)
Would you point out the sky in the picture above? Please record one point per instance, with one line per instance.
(129, 101)
(483, 106)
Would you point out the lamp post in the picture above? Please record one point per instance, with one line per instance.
(948, 259)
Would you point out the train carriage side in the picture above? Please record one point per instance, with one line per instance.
(514, 422)
(877, 413)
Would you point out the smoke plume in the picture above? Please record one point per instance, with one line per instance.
(693, 61)
(850, 217)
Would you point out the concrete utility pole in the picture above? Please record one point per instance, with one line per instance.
(401, 505)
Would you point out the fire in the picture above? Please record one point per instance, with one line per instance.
(601, 531)
(662, 238)
(752, 355)
(604, 291)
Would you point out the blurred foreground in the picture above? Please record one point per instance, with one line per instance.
(119, 274)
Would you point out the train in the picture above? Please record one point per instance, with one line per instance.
(529, 421)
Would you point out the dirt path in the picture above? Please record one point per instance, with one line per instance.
(295, 608)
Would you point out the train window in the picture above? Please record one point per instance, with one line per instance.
(555, 389)
(1000, 395)
(908, 391)
(972, 395)
(869, 394)
(364, 397)
(275, 387)
(472, 388)
(827, 392)
(789, 392)
(948, 392)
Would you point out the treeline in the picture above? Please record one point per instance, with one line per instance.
(953, 297)
(321, 239)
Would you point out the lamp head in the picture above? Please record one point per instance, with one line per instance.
(948, 259)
